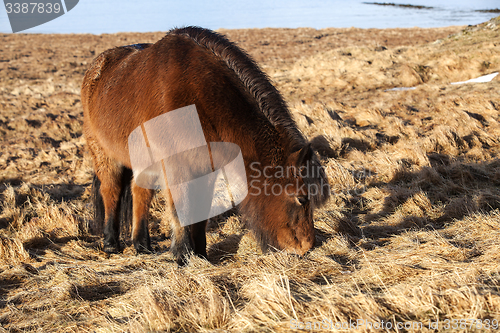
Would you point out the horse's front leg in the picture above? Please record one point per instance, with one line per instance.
(195, 202)
(188, 240)
(199, 238)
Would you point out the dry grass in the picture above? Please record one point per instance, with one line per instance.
(411, 234)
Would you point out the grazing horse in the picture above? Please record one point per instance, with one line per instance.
(129, 85)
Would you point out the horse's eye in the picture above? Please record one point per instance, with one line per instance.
(301, 200)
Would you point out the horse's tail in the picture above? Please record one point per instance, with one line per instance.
(269, 99)
(125, 213)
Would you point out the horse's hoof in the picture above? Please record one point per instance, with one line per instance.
(182, 261)
(139, 248)
(203, 255)
(110, 249)
(182, 257)
(144, 251)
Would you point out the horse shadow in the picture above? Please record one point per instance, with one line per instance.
(451, 188)
(225, 249)
(458, 188)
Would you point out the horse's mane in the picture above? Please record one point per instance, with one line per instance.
(258, 84)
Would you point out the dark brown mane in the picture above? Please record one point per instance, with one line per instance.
(257, 83)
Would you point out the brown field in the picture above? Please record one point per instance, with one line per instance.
(411, 234)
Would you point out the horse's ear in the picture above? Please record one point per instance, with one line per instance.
(305, 154)
(300, 157)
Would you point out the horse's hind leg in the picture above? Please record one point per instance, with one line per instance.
(109, 173)
(141, 201)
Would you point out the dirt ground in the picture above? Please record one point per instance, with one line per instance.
(411, 236)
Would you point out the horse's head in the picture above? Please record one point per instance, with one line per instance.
(282, 199)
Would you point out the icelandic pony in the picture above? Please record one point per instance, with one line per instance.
(129, 85)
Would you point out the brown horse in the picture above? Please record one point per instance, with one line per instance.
(129, 85)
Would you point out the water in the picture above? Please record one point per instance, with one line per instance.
(110, 16)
